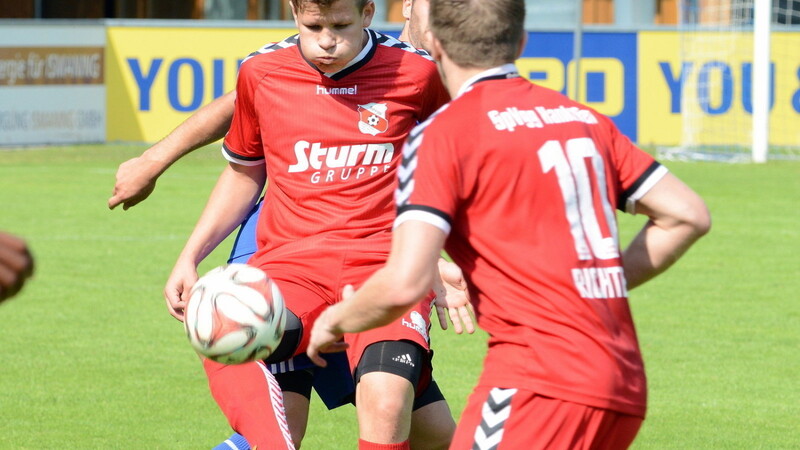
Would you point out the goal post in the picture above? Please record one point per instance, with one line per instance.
(741, 100)
(762, 24)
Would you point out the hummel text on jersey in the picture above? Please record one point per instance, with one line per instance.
(600, 282)
(339, 163)
(352, 90)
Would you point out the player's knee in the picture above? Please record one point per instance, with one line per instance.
(385, 393)
(292, 335)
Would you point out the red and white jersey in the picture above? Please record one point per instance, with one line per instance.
(526, 182)
(331, 142)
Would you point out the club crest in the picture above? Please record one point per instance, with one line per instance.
(372, 118)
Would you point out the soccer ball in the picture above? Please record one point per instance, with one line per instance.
(235, 314)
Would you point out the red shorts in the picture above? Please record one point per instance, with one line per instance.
(513, 419)
(310, 285)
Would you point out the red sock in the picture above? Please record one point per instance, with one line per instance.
(251, 399)
(366, 445)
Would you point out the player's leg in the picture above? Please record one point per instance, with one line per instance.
(383, 405)
(432, 424)
(250, 399)
(515, 418)
(388, 376)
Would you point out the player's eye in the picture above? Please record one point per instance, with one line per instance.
(314, 27)
(341, 26)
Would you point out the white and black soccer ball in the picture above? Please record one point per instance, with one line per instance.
(236, 314)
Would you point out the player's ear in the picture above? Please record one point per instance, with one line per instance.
(435, 46)
(294, 11)
(368, 13)
(407, 8)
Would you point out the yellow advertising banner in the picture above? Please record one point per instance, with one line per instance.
(698, 86)
(157, 77)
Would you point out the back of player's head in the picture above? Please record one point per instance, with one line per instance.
(298, 5)
(479, 33)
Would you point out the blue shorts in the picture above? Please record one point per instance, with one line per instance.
(334, 383)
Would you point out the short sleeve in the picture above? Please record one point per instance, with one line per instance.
(242, 144)
(637, 170)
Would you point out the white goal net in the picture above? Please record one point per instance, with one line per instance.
(741, 98)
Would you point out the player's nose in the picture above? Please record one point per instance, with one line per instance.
(327, 40)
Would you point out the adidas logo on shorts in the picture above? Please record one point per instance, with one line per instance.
(405, 359)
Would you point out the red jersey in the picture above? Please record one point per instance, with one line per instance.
(526, 183)
(331, 142)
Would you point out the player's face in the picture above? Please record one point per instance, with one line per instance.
(418, 23)
(331, 37)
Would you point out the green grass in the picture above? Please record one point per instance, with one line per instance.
(91, 359)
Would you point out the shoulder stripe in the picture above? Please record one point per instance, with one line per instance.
(389, 41)
(408, 162)
(273, 46)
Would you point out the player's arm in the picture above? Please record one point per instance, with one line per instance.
(16, 265)
(236, 191)
(405, 279)
(136, 178)
(678, 217)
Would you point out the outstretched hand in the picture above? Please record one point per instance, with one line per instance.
(452, 298)
(323, 338)
(136, 180)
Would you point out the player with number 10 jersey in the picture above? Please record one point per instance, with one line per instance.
(566, 262)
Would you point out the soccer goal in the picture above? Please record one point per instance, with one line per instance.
(740, 99)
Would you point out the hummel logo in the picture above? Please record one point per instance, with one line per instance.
(322, 90)
(405, 359)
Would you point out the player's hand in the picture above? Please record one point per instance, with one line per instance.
(179, 287)
(136, 180)
(324, 339)
(16, 265)
(452, 298)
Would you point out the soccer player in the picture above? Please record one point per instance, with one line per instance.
(16, 265)
(327, 112)
(136, 178)
(519, 184)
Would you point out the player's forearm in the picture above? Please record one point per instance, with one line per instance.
(380, 301)
(207, 125)
(678, 218)
(233, 196)
(654, 250)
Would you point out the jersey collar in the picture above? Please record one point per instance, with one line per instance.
(495, 73)
(362, 58)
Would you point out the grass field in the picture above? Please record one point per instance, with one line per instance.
(91, 359)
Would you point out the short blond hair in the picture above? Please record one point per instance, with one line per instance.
(478, 33)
